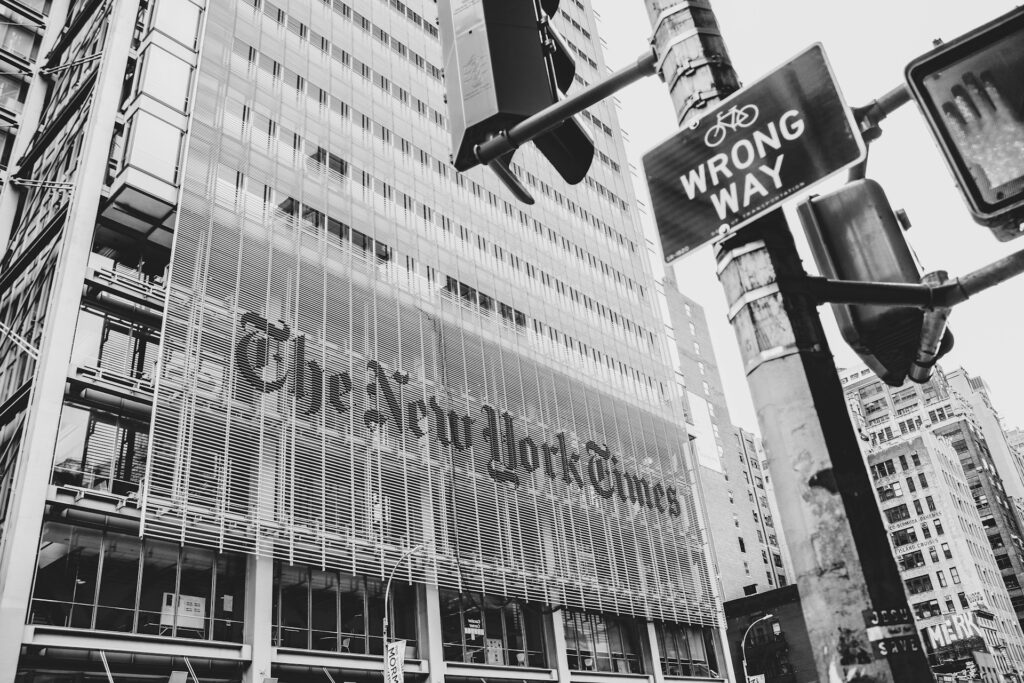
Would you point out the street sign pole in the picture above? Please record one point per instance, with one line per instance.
(859, 624)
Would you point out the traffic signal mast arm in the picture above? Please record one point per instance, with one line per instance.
(926, 296)
(547, 119)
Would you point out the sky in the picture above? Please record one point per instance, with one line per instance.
(868, 43)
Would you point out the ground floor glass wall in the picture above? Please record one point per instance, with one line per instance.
(488, 629)
(338, 612)
(687, 650)
(603, 642)
(93, 579)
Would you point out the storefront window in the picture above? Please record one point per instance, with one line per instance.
(602, 642)
(486, 629)
(687, 650)
(91, 580)
(337, 612)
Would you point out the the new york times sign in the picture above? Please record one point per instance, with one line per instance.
(269, 358)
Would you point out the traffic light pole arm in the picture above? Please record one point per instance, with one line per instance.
(543, 121)
(946, 295)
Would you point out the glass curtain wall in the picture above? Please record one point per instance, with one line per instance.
(339, 612)
(489, 629)
(109, 581)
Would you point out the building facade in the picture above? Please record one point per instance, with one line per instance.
(769, 632)
(747, 541)
(938, 487)
(281, 387)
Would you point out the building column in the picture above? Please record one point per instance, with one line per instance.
(32, 478)
(652, 653)
(555, 645)
(428, 631)
(259, 616)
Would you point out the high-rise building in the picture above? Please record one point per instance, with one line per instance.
(746, 538)
(911, 495)
(1008, 461)
(951, 578)
(274, 374)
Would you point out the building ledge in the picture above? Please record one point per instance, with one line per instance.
(605, 676)
(109, 641)
(479, 671)
(340, 660)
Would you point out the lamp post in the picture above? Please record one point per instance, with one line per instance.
(743, 644)
(391, 575)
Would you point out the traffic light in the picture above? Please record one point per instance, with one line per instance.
(503, 62)
(971, 93)
(854, 235)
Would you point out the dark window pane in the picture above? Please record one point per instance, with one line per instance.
(229, 604)
(119, 583)
(159, 577)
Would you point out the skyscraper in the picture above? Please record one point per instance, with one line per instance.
(270, 362)
(921, 487)
(748, 545)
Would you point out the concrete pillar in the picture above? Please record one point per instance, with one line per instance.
(259, 616)
(652, 653)
(32, 477)
(428, 626)
(554, 640)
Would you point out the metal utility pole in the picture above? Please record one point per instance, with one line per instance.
(852, 596)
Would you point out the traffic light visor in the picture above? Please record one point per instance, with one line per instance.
(972, 93)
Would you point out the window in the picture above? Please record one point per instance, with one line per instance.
(910, 485)
(926, 531)
(889, 491)
(882, 469)
(602, 642)
(904, 536)
(903, 462)
(941, 576)
(911, 560)
(924, 480)
(933, 554)
(1003, 562)
(923, 610)
(931, 503)
(485, 629)
(938, 527)
(946, 552)
(954, 574)
(919, 584)
(743, 546)
(116, 582)
(897, 514)
(918, 508)
(336, 611)
(686, 650)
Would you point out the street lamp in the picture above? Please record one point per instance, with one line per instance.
(743, 644)
(387, 587)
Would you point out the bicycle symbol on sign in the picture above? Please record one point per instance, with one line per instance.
(733, 118)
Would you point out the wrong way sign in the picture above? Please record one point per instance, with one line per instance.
(782, 134)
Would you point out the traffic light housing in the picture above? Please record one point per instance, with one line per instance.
(854, 235)
(503, 62)
(971, 93)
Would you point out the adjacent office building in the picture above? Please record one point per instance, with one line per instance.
(952, 527)
(275, 375)
(746, 537)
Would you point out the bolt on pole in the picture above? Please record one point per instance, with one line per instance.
(856, 612)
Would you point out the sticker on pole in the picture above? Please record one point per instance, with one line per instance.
(784, 133)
